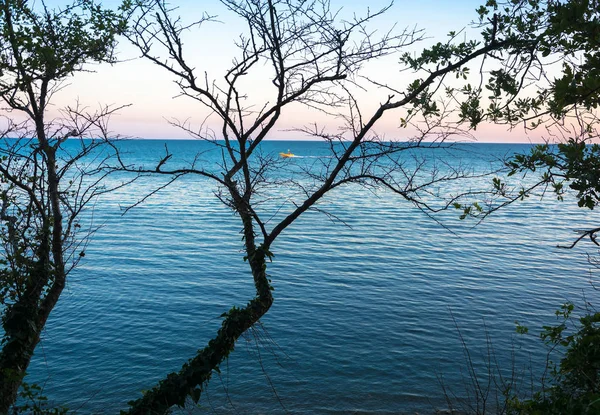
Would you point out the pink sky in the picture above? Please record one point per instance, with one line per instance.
(150, 90)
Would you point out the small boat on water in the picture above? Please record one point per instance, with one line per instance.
(287, 155)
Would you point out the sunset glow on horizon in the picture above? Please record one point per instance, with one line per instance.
(153, 98)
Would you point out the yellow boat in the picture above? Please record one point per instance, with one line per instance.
(287, 155)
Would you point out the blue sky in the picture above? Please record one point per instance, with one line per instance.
(150, 90)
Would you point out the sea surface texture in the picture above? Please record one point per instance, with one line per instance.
(370, 304)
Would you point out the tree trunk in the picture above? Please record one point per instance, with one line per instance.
(23, 324)
(25, 319)
(21, 336)
(176, 387)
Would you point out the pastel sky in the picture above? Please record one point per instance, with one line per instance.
(152, 93)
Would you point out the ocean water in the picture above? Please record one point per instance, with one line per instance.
(368, 308)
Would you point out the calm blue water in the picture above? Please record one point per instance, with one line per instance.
(362, 316)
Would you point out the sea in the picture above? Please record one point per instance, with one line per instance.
(380, 307)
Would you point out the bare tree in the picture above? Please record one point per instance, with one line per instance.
(50, 169)
(312, 58)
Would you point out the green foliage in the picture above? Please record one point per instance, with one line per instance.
(573, 163)
(39, 49)
(51, 44)
(538, 33)
(534, 35)
(521, 329)
(573, 31)
(566, 32)
(574, 386)
(34, 402)
(473, 209)
(501, 38)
